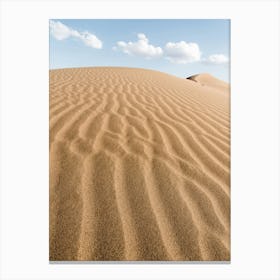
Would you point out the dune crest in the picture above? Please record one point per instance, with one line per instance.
(210, 81)
(139, 166)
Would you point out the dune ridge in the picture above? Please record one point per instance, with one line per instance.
(139, 166)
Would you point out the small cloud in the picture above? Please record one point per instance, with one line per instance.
(90, 40)
(142, 36)
(182, 52)
(217, 59)
(61, 31)
(139, 48)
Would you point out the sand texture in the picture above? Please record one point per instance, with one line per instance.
(139, 166)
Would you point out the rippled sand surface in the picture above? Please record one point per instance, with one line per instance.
(139, 166)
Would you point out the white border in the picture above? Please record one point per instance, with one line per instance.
(255, 138)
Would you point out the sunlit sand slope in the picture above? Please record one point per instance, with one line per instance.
(139, 166)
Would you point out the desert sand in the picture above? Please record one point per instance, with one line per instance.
(139, 166)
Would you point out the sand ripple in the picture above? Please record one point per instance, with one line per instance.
(139, 166)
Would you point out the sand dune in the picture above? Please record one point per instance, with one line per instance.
(139, 166)
(209, 81)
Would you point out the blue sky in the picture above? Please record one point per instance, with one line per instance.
(181, 47)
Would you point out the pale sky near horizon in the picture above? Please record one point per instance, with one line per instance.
(181, 47)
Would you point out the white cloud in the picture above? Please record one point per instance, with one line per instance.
(61, 31)
(90, 40)
(140, 47)
(182, 52)
(217, 59)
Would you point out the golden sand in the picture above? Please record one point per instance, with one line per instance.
(139, 166)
